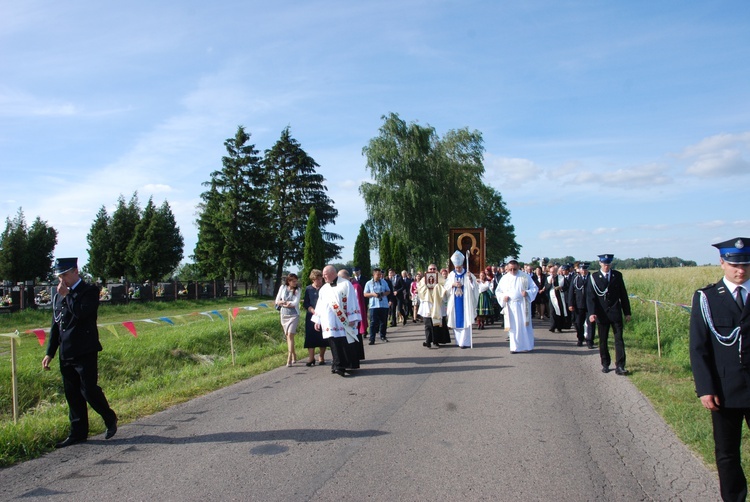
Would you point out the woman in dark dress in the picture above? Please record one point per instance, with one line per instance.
(540, 303)
(313, 338)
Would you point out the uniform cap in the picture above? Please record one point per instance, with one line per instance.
(606, 258)
(735, 251)
(62, 265)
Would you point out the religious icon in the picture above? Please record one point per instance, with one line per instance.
(431, 279)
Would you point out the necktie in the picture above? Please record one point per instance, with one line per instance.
(740, 301)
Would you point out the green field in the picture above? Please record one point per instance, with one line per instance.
(166, 365)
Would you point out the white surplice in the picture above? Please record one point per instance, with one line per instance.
(517, 309)
(337, 311)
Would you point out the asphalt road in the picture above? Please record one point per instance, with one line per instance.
(413, 424)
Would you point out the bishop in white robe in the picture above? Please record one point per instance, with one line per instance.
(462, 293)
(515, 292)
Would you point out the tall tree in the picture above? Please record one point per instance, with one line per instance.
(26, 254)
(433, 184)
(41, 243)
(385, 250)
(294, 187)
(156, 249)
(362, 252)
(399, 255)
(314, 249)
(122, 229)
(233, 226)
(100, 245)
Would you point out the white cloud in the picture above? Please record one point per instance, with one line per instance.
(22, 104)
(718, 155)
(511, 171)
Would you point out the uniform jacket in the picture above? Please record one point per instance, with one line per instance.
(614, 303)
(717, 369)
(577, 291)
(74, 329)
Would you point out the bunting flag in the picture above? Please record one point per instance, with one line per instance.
(263, 305)
(40, 335)
(167, 320)
(111, 329)
(217, 313)
(235, 311)
(131, 327)
(207, 314)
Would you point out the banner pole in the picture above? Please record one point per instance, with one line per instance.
(14, 377)
(658, 337)
(231, 337)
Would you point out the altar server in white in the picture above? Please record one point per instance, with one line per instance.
(462, 293)
(515, 292)
(336, 316)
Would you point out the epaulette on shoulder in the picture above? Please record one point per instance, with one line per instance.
(712, 285)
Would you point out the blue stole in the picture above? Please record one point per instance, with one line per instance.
(458, 306)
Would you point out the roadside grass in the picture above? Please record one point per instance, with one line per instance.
(668, 381)
(163, 366)
(166, 365)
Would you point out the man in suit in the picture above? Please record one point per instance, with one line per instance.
(606, 302)
(720, 359)
(577, 305)
(75, 334)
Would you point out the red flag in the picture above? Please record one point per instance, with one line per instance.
(235, 311)
(40, 335)
(131, 327)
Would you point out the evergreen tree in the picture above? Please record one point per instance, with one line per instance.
(314, 249)
(41, 243)
(233, 224)
(100, 244)
(399, 255)
(26, 254)
(362, 252)
(156, 249)
(386, 258)
(294, 187)
(122, 230)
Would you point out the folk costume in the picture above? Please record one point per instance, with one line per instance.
(517, 309)
(431, 292)
(484, 303)
(720, 359)
(462, 301)
(608, 300)
(337, 312)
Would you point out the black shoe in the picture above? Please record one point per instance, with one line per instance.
(605, 369)
(111, 430)
(310, 363)
(580, 343)
(384, 339)
(426, 344)
(371, 343)
(70, 440)
(341, 373)
(621, 371)
(590, 345)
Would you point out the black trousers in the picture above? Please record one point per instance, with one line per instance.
(80, 381)
(378, 323)
(584, 328)
(727, 437)
(603, 327)
(436, 334)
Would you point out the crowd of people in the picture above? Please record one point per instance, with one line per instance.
(352, 309)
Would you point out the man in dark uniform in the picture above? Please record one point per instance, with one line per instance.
(720, 358)
(75, 334)
(606, 302)
(577, 305)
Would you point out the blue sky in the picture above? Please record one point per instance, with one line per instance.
(618, 127)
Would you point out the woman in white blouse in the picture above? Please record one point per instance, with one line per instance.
(287, 301)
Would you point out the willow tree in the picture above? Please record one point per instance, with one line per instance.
(422, 185)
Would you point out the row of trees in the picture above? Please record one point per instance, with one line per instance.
(26, 252)
(140, 244)
(256, 209)
(422, 186)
